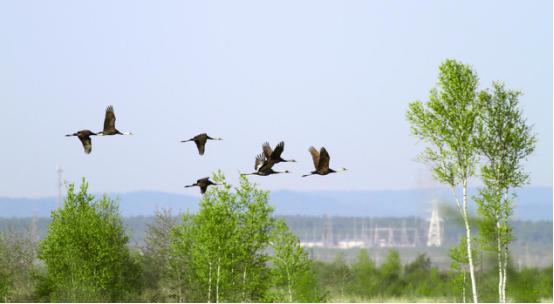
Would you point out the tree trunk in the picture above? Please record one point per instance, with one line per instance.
(217, 280)
(468, 241)
(210, 283)
(500, 264)
(289, 283)
(505, 273)
(244, 285)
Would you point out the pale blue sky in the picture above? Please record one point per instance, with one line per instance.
(332, 73)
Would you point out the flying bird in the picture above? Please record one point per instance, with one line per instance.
(200, 141)
(84, 137)
(263, 167)
(109, 124)
(275, 155)
(321, 162)
(203, 183)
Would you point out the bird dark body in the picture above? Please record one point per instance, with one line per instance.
(109, 124)
(200, 141)
(321, 162)
(203, 183)
(274, 156)
(84, 137)
(263, 167)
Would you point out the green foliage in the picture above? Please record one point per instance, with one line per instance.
(291, 273)
(365, 276)
(447, 123)
(85, 251)
(5, 278)
(390, 274)
(504, 139)
(221, 249)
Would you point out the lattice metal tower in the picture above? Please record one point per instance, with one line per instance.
(434, 236)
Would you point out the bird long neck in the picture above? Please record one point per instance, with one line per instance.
(187, 140)
(253, 173)
(124, 133)
(308, 174)
(289, 160)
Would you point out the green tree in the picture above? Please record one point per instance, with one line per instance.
(364, 276)
(227, 240)
(459, 268)
(290, 263)
(341, 275)
(390, 274)
(504, 140)
(5, 277)
(181, 277)
(447, 123)
(86, 252)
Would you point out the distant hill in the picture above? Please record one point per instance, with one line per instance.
(533, 203)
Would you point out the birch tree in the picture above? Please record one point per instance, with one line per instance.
(504, 140)
(86, 253)
(447, 124)
(289, 260)
(219, 254)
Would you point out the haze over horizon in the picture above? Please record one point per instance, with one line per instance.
(333, 74)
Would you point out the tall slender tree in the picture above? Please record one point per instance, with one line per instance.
(85, 251)
(447, 123)
(223, 246)
(505, 140)
(289, 260)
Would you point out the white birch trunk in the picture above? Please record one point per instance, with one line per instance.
(505, 268)
(210, 283)
(500, 264)
(468, 241)
(289, 283)
(244, 285)
(217, 280)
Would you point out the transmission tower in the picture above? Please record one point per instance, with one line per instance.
(434, 236)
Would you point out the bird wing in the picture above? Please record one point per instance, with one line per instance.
(324, 159)
(86, 141)
(201, 146)
(278, 150)
(203, 180)
(267, 149)
(109, 120)
(203, 189)
(260, 159)
(315, 156)
(200, 141)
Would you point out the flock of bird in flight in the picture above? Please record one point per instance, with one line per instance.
(263, 165)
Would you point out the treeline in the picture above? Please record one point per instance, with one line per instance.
(419, 280)
(232, 250)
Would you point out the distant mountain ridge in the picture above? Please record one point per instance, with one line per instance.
(533, 203)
